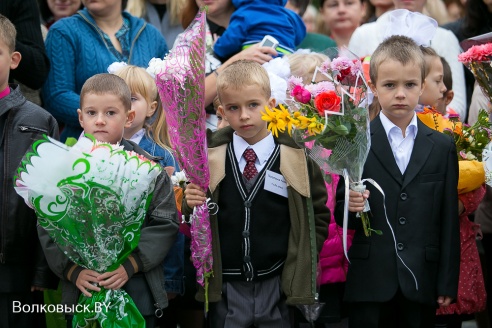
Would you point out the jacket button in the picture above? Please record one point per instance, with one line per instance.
(400, 246)
(247, 204)
(245, 233)
(403, 196)
(248, 274)
(402, 220)
(247, 258)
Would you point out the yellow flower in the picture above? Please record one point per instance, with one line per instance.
(303, 121)
(284, 115)
(314, 127)
(274, 117)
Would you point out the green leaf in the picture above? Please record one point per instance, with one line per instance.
(341, 130)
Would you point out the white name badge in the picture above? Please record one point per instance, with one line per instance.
(275, 183)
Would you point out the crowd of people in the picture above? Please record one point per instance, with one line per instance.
(273, 253)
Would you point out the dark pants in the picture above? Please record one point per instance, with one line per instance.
(396, 313)
(9, 319)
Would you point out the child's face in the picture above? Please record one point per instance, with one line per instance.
(398, 88)
(241, 108)
(221, 123)
(434, 85)
(8, 60)
(143, 109)
(104, 116)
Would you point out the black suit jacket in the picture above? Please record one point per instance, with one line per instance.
(422, 208)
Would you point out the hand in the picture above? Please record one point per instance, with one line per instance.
(461, 207)
(113, 280)
(85, 282)
(255, 53)
(357, 200)
(194, 195)
(444, 301)
(169, 170)
(36, 288)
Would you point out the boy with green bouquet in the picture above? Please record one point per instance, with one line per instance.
(105, 112)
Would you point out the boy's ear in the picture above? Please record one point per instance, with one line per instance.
(129, 118)
(423, 87)
(220, 110)
(448, 97)
(81, 121)
(373, 88)
(272, 102)
(153, 107)
(15, 59)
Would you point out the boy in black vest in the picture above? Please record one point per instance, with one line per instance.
(272, 219)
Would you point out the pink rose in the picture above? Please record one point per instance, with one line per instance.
(301, 95)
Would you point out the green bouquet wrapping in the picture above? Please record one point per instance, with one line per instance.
(92, 199)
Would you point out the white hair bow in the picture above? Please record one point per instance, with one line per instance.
(278, 71)
(418, 27)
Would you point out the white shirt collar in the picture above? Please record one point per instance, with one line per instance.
(262, 148)
(138, 136)
(388, 126)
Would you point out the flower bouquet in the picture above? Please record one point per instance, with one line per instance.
(180, 79)
(330, 115)
(470, 142)
(92, 201)
(478, 59)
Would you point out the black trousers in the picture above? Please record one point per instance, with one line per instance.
(396, 313)
(9, 319)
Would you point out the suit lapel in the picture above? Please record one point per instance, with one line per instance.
(421, 150)
(381, 148)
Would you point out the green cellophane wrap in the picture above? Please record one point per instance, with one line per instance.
(92, 199)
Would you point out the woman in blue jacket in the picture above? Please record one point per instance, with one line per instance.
(85, 44)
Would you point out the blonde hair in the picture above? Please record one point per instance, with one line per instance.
(243, 73)
(8, 33)
(175, 8)
(106, 83)
(399, 48)
(139, 81)
(304, 65)
(429, 53)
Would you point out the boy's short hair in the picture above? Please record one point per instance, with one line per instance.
(447, 76)
(399, 48)
(105, 83)
(243, 73)
(8, 32)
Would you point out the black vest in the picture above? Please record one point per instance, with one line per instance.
(254, 226)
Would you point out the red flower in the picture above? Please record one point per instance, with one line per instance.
(328, 100)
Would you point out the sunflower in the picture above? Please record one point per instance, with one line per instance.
(284, 115)
(276, 121)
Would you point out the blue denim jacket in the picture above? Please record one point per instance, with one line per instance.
(174, 262)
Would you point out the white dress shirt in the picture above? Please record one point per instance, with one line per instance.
(262, 148)
(401, 146)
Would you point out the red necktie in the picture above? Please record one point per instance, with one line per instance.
(250, 170)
